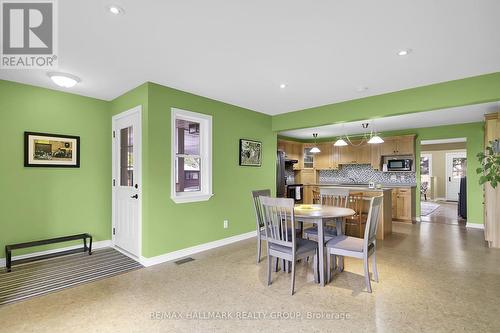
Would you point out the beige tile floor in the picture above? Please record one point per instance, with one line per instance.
(433, 278)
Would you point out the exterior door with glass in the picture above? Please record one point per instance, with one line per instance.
(456, 167)
(127, 180)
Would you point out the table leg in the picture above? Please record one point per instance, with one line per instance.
(321, 251)
(340, 231)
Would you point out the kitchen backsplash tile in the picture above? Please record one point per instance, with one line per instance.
(363, 173)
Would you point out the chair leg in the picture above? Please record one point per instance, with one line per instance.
(315, 267)
(334, 265)
(328, 264)
(367, 275)
(259, 249)
(269, 268)
(276, 264)
(293, 276)
(374, 267)
(341, 263)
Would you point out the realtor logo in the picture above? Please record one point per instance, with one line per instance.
(28, 34)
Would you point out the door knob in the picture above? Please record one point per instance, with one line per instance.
(135, 196)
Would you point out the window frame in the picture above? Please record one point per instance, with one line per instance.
(205, 122)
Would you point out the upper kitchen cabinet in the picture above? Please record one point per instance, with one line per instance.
(350, 154)
(398, 145)
(292, 152)
(325, 159)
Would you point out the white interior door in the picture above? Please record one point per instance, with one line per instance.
(456, 167)
(127, 181)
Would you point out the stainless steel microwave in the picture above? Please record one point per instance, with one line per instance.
(399, 165)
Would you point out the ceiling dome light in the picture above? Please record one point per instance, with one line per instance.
(282, 86)
(64, 80)
(403, 53)
(340, 143)
(115, 10)
(376, 139)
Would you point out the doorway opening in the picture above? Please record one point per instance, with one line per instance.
(443, 189)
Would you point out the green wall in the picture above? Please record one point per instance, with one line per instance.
(473, 90)
(37, 203)
(168, 226)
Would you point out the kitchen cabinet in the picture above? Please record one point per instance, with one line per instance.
(403, 207)
(398, 145)
(325, 159)
(306, 176)
(361, 154)
(347, 155)
(375, 156)
(292, 151)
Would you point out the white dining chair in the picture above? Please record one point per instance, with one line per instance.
(361, 248)
(261, 234)
(328, 197)
(278, 216)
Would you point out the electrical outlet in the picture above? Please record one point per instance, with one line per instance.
(393, 177)
(402, 177)
(226, 224)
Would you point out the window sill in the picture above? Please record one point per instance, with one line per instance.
(191, 198)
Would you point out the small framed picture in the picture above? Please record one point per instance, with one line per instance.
(51, 150)
(250, 153)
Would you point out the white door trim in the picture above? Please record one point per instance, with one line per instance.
(447, 169)
(138, 144)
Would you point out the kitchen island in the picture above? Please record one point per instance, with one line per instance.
(311, 195)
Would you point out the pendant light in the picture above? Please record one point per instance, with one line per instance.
(315, 149)
(340, 142)
(375, 139)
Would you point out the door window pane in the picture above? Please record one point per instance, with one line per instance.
(459, 167)
(126, 157)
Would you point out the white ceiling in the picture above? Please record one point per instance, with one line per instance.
(240, 51)
(460, 115)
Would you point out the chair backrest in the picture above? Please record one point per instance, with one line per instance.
(258, 208)
(278, 219)
(372, 221)
(337, 197)
(357, 202)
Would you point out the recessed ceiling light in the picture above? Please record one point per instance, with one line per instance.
(115, 10)
(362, 89)
(63, 79)
(405, 52)
(282, 86)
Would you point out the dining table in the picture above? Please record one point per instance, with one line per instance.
(319, 215)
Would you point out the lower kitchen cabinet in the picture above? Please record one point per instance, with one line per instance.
(403, 204)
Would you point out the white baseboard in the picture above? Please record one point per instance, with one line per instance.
(475, 226)
(95, 245)
(194, 249)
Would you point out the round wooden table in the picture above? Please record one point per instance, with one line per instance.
(318, 214)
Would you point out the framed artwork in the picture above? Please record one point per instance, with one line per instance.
(51, 150)
(250, 153)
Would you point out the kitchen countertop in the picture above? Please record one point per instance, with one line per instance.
(363, 187)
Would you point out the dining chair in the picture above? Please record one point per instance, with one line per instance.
(361, 248)
(356, 224)
(261, 234)
(329, 197)
(278, 216)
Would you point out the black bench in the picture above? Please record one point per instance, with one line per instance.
(9, 248)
